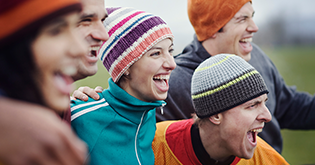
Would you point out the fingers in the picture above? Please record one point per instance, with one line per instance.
(98, 89)
(79, 95)
(84, 92)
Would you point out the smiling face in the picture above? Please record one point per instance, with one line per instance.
(91, 26)
(237, 34)
(148, 77)
(240, 125)
(56, 51)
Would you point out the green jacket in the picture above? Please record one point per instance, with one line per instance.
(118, 128)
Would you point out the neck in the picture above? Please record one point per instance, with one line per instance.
(210, 47)
(210, 138)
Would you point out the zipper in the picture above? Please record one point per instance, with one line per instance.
(138, 129)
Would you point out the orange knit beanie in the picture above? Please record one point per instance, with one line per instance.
(18, 17)
(209, 16)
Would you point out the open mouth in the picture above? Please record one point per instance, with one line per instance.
(252, 134)
(246, 40)
(63, 80)
(94, 50)
(246, 45)
(161, 81)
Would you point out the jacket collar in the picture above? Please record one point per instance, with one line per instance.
(127, 105)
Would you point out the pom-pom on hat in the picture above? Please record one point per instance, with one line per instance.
(19, 17)
(209, 16)
(131, 34)
(223, 82)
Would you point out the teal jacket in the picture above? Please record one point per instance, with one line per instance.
(118, 128)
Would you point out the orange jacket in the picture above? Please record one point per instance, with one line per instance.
(172, 146)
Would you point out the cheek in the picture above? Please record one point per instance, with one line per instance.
(46, 54)
(84, 30)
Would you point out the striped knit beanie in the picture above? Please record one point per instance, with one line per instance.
(131, 34)
(20, 17)
(209, 16)
(223, 82)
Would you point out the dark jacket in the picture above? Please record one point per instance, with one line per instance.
(289, 108)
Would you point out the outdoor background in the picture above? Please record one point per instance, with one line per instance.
(286, 34)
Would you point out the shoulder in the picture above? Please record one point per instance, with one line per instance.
(162, 152)
(79, 108)
(90, 101)
(265, 154)
(258, 54)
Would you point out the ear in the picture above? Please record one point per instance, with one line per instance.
(216, 119)
(214, 35)
(127, 72)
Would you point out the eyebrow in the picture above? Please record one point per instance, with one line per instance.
(87, 15)
(155, 47)
(256, 102)
(244, 16)
(92, 15)
(60, 21)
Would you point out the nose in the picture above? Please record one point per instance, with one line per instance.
(99, 32)
(252, 27)
(78, 47)
(169, 62)
(265, 115)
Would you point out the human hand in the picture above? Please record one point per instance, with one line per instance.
(32, 134)
(83, 92)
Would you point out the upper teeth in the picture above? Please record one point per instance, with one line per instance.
(95, 48)
(246, 40)
(162, 77)
(256, 130)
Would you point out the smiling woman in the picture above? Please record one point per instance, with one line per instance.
(119, 128)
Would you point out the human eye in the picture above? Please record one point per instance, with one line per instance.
(54, 30)
(171, 51)
(252, 105)
(155, 53)
(85, 21)
(242, 19)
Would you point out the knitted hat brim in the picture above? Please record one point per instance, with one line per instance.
(28, 16)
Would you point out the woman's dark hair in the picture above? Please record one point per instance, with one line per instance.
(19, 72)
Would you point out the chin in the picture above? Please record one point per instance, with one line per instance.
(249, 154)
(163, 97)
(91, 71)
(247, 57)
(60, 105)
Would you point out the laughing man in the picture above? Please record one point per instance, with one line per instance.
(229, 97)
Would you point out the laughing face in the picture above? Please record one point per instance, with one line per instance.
(91, 26)
(148, 77)
(56, 51)
(240, 125)
(237, 34)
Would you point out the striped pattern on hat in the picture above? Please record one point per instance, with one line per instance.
(223, 82)
(131, 34)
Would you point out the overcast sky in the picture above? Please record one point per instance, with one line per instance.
(175, 15)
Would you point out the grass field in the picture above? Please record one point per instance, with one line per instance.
(297, 66)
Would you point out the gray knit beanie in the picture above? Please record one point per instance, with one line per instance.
(223, 82)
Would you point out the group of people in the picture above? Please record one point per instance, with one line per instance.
(217, 87)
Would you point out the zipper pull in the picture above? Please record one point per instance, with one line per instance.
(162, 108)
